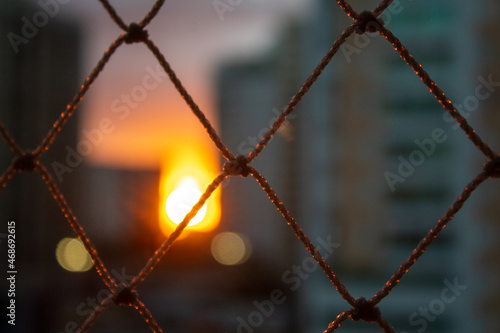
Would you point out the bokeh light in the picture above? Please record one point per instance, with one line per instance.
(230, 248)
(72, 256)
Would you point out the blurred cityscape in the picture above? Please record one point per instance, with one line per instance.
(367, 163)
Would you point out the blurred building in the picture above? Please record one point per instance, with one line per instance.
(489, 118)
(362, 164)
(250, 99)
(39, 75)
(374, 163)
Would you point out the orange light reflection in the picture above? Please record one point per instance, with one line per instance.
(192, 165)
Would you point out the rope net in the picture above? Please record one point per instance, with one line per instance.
(125, 294)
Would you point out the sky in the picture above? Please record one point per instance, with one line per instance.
(133, 103)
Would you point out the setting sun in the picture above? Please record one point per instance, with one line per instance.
(182, 199)
(184, 177)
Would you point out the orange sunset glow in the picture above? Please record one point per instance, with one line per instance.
(186, 172)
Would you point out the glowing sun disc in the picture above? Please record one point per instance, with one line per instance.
(182, 199)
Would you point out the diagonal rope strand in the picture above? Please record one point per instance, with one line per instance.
(303, 90)
(189, 100)
(429, 238)
(384, 325)
(346, 7)
(77, 228)
(96, 313)
(339, 320)
(301, 236)
(152, 13)
(6, 176)
(155, 259)
(382, 6)
(437, 92)
(148, 317)
(63, 118)
(114, 15)
(10, 141)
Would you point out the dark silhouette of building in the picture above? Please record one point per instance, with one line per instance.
(39, 75)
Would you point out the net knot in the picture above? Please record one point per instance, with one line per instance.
(136, 34)
(492, 168)
(237, 166)
(367, 21)
(365, 310)
(25, 162)
(125, 296)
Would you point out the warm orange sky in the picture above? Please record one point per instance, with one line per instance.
(147, 115)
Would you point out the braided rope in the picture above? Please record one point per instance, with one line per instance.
(126, 295)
